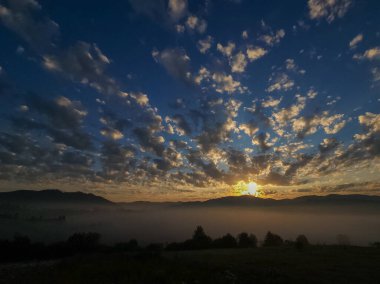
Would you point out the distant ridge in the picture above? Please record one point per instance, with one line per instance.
(251, 201)
(332, 199)
(51, 196)
(55, 196)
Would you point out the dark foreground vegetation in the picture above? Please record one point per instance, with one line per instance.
(201, 259)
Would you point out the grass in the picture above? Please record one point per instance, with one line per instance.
(317, 264)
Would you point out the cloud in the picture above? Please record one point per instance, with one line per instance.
(370, 54)
(280, 82)
(176, 62)
(220, 82)
(177, 9)
(182, 127)
(223, 83)
(309, 125)
(226, 50)
(375, 74)
(244, 34)
(271, 102)
(272, 38)
(205, 44)
(149, 141)
(83, 63)
(111, 133)
(254, 52)
(24, 17)
(249, 128)
(328, 145)
(371, 121)
(262, 140)
(355, 41)
(140, 98)
(61, 119)
(180, 29)
(196, 24)
(328, 9)
(291, 65)
(351, 187)
(238, 63)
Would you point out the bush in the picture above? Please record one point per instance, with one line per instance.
(272, 240)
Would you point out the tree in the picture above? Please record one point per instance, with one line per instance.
(245, 240)
(227, 241)
(200, 240)
(301, 242)
(272, 240)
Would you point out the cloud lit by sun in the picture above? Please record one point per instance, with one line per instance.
(248, 188)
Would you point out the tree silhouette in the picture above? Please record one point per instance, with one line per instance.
(272, 240)
(301, 242)
(227, 241)
(200, 240)
(246, 241)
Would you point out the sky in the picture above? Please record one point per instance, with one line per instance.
(190, 100)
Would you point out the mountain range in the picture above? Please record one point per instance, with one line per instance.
(54, 196)
(51, 196)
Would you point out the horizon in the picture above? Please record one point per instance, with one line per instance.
(164, 100)
(191, 200)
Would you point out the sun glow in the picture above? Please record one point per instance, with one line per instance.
(252, 188)
(248, 188)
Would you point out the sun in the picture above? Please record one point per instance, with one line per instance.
(248, 188)
(252, 188)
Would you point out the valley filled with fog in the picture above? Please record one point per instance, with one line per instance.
(165, 224)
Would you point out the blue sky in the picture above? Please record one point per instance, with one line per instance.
(176, 99)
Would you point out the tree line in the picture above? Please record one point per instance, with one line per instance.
(21, 248)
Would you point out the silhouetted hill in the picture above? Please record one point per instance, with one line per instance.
(54, 196)
(51, 196)
(332, 200)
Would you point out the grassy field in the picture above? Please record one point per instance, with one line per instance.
(317, 264)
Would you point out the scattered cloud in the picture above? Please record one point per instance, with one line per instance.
(280, 82)
(226, 50)
(205, 44)
(83, 63)
(177, 9)
(238, 63)
(175, 61)
(25, 18)
(369, 54)
(328, 9)
(196, 24)
(254, 52)
(272, 38)
(355, 41)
